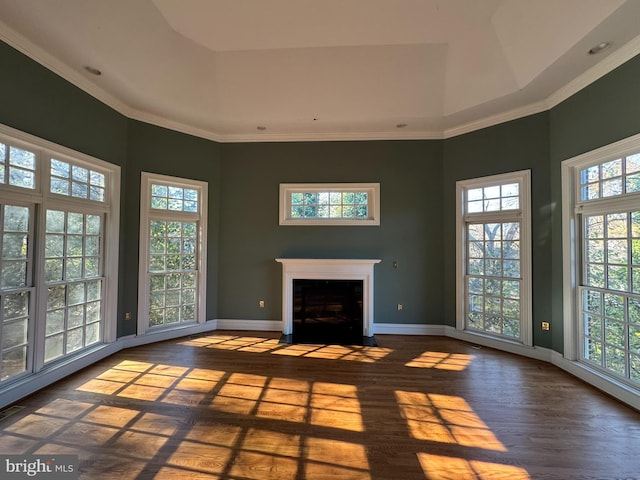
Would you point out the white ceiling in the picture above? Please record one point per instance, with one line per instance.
(330, 69)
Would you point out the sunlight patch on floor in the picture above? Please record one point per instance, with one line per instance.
(354, 353)
(442, 361)
(445, 419)
(437, 467)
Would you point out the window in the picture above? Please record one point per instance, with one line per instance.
(16, 290)
(17, 165)
(173, 252)
(494, 286)
(73, 275)
(602, 190)
(59, 216)
(330, 204)
(77, 181)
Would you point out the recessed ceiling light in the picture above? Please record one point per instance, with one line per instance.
(261, 127)
(401, 125)
(599, 47)
(93, 70)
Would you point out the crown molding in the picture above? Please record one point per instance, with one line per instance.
(329, 136)
(41, 56)
(159, 121)
(497, 119)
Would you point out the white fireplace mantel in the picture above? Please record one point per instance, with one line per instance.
(327, 269)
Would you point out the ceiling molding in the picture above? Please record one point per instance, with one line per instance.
(41, 56)
(497, 119)
(163, 122)
(329, 137)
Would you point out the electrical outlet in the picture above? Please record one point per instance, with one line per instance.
(261, 303)
(546, 326)
(400, 307)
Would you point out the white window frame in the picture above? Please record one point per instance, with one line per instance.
(373, 197)
(571, 239)
(523, 214)
(146, 214)
(43, 199)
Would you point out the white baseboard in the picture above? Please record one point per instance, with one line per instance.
(162, 335)
(263, 325)
(407, 329)
(539, 353)
(618, 390)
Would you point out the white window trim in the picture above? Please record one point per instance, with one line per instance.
(523, 177)
(570, 245)
(40, 196)
(146, 213)
(373, 189)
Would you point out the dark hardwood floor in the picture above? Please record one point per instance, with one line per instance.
(241, 406)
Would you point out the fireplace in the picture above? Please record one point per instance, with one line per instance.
(327, 311)
(333, 280)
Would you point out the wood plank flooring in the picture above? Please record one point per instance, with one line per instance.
(241, 406)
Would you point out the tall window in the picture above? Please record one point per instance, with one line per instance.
(494, 287)
(73, 275)
(59, 214)
(605, 191)
(173, 252)
(16, 290)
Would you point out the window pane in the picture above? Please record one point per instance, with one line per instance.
(22, 158)
(612, 169)
(97, 179)
(97, 194)
(632, 163)
(59, 168)
(22, 178)
(14, 362)
(59, 186)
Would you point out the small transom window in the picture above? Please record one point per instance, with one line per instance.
(77, 181)
(178, 199)
(330, 204)
(609, 179)
(494, 198)
(17, 166)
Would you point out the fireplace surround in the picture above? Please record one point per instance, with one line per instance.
(327, 269)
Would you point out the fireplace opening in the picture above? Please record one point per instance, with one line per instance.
(327, 311)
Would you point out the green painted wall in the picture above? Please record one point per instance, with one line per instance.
(517, 145)
(409, 173)
(158, 150)
(602, 113)
(39, 102)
